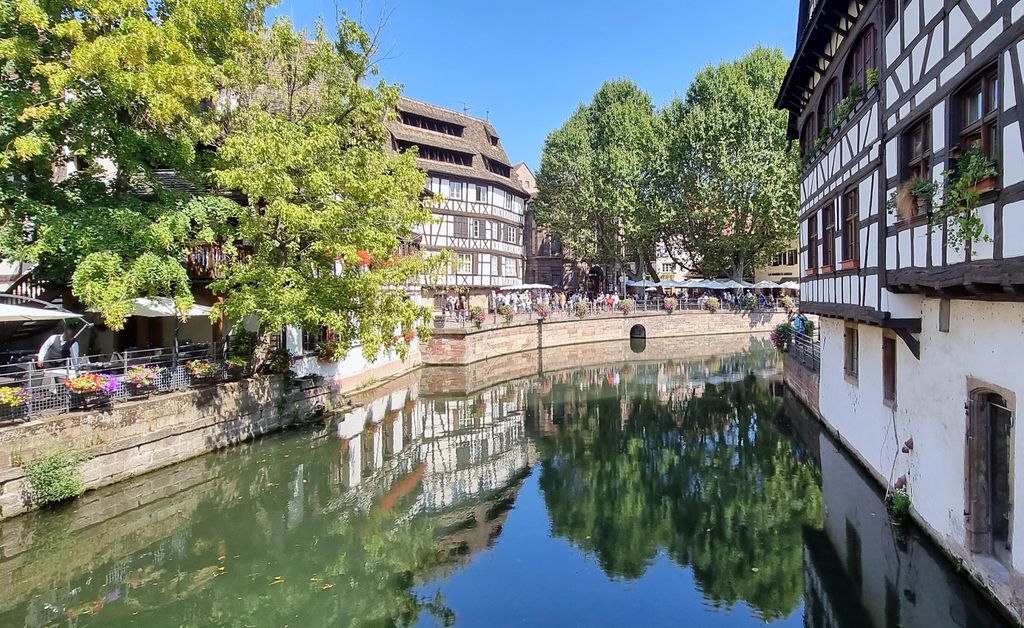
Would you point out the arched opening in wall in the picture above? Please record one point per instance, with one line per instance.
(595, 280)
(637, 338)
(989, 474)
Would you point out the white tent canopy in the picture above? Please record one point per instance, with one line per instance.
(20, 313)
(527, 286)
(766, 285)
(790, 285)
(159, 307)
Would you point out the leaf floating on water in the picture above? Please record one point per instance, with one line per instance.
(754, 569)
(328, 585)
(277, 580)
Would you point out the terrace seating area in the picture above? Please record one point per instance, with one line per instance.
(29, 391)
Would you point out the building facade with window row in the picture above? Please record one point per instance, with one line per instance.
(913, 254)
(480, 204)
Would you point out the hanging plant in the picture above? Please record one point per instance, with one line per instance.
(507, 313)
(972, 175)
(872, 76)
(914, 198)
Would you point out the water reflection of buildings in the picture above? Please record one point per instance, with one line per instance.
(437, 451)
(861, 572)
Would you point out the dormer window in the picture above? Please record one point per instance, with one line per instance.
(432, 124)
(498, 168)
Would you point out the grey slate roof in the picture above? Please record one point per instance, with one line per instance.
(475, 141)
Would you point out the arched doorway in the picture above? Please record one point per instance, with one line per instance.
(595, 280)
(989, 474)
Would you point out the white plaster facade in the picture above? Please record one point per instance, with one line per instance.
(955, 313)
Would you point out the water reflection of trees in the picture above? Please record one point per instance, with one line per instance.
(654, 459)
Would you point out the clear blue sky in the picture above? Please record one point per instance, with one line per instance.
(526, 65)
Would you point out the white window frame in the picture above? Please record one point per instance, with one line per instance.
(474, 228)
(481, 193)
(464, 264)
(452, 187)
(509, 266)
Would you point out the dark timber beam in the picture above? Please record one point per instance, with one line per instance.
(908, 339)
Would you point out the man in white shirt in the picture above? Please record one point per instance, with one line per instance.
(57, 349)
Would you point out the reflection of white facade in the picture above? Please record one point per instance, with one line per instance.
(443, 450)
(859, 573)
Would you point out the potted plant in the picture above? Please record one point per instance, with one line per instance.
(627, 306)
(671, 304)
(972, 175)
(543, 310)
(872, 77)
(278, 361)
(235, 367)
(477, 315)
(914, 198)
(330, 350)
(788, 304)
(12, 402)
(201, 371)
(750, 302)
(91, 390)
(782, 336)
(506, 313)
(140, 380)
(580, 309)
(713, 304)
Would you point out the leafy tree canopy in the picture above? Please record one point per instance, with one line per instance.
(595, 177)
(728, 185)
(97, 96)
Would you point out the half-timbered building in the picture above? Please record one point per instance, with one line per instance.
(480, 203)
(913, 256)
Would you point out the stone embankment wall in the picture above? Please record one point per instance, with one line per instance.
(803, 382)
(449, 347)
(133, 438)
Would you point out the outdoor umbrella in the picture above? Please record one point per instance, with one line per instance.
(162, 307)
(9, 313)
(641, 284)
(670, 283)
(766, 285)
(790, 285)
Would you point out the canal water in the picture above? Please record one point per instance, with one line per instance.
(641, 491)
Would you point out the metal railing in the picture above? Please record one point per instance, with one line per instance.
(806, 351)
(44, 391)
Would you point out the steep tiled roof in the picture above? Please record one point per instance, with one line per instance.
(476, 140)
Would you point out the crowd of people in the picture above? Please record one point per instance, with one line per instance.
(457, 306)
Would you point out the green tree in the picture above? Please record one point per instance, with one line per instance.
(595, 178)
(728, 184)
(328, 205)
(113, 90)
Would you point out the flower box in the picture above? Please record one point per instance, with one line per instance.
(985, 185)
(139, 391)
(89, 400)
(10, 414)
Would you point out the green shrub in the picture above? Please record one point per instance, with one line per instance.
(55, 476)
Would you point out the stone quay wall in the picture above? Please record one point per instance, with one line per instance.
(466, 346)
(133, 438)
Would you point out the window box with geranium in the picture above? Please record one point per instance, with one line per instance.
(201, 371)
(235, 367)
(543, 310)
(141, 380)
(13, 400)
(671, 304)
(627, 306)
(91, 390)
(278, 361)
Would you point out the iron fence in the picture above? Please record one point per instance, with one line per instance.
(35, 390)
(807, 351)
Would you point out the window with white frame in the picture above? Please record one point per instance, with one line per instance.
(481, 193)
(508, 201)
(510, 234)
(517, 204)
(668, 267)
(499, 197)
(455, 190)
(510, 267)
(484, 264)
(476, 228)
(464, 264)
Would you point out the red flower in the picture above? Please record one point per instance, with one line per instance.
(365, 257)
